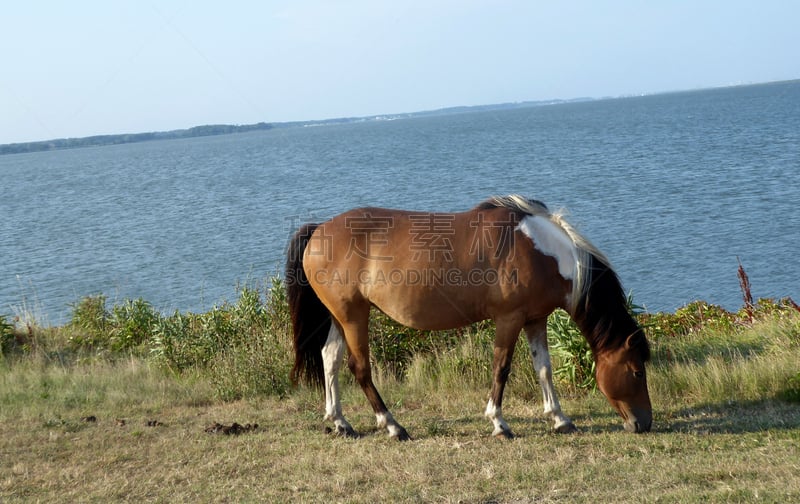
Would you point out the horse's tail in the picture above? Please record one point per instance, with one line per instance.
(310, 319)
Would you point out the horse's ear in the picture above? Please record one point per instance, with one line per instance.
(635, 339)
(638, 341)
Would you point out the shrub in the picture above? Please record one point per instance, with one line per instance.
(792, 391)
(131, 324)
(171, 344)
(89, 323)
(393, 345)
(184, 341)
(6, 335)
(243, 347)
(689, 319)
(770, 309)
(574, 360)
(252, 367)
(128, 326)
(254, 357)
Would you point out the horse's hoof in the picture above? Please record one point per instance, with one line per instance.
(504, 434)
(346, 432)
(341, 431)
(567, 428)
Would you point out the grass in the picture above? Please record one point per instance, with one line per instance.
(699, 451)
(726, 397)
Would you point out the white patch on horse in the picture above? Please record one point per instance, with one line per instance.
(551, 240)
(494, 414)
(387, 421)
(543, 368)
(332, 353)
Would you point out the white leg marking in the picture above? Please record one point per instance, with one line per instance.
(387, 420)
(332, 354)
(541, 364)
(495, 414)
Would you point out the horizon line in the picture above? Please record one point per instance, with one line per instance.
(396, 115)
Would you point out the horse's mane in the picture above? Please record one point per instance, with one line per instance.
(597, 300)
(516, 203)
(587, 257)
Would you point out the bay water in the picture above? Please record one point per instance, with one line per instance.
(674, 188)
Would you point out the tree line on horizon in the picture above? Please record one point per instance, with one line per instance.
(125, 138)
(225, 129)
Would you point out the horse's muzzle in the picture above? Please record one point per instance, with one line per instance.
(639, 421)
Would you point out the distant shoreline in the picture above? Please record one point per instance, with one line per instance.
(227, 129)
(126, 138)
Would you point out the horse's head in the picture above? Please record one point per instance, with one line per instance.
(622, 377)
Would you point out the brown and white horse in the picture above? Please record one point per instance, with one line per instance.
(508, 259)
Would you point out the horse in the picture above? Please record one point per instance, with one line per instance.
(509, 259)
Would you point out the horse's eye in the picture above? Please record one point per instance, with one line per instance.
(638, 374)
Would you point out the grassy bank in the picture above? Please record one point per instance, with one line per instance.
(114, 406)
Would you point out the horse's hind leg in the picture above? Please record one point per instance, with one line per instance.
(536, 333)
(332, 353)
(506, 337)
(357, 338)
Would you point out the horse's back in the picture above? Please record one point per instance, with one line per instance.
(426, 270)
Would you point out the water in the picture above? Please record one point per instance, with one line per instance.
(672, 187)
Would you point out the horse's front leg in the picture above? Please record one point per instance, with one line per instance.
(506, 337)
(536, 333)
(332, 353)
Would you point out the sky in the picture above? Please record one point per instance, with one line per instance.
(74, 69)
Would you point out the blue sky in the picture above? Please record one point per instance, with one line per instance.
(72, 69)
